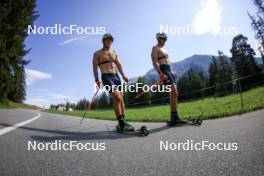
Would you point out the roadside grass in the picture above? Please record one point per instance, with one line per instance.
(12, 105)
(4, 105)
(207, 108)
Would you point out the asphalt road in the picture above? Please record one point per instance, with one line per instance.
(129, 154)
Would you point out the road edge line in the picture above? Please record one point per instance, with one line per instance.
(15, 126)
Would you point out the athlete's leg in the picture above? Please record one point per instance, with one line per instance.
(116, 81)
(174, 92)
(117, 103)
(173, 98)
(122, 103)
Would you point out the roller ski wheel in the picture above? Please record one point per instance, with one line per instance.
(197, 122)
(144, 131)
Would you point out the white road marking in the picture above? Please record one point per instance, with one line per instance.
(13, 127)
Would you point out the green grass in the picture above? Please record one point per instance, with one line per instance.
(4, 105)
(205, 109)
(12, 105)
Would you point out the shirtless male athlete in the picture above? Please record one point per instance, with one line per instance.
(161, 63)
(108, 62)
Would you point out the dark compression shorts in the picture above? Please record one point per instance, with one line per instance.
(111, 80)
(165, 69)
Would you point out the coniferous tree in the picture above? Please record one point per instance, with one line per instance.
(189, 85)
(103, 101)
(224, 75)
(257, 23)
(243, 61)
(15, 16)
(213, 70)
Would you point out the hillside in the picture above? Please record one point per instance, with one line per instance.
(11, 105)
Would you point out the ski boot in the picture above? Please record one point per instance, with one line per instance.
(175, 120)
(124, 126)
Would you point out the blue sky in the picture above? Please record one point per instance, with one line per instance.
(61, 67)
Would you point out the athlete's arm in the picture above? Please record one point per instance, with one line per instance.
(95, 67)
(154, 57)
(119, 67)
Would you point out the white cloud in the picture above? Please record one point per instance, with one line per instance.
(57, 96)
(71, 40)
(208, 18)
(37, 100)
(39, 90)
(35, 75)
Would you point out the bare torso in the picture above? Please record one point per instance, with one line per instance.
(106, 60)
(162, 56)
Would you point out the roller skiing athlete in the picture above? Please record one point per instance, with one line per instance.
(109, 63)
(161, 63)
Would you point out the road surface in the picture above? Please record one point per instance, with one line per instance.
(128, 154)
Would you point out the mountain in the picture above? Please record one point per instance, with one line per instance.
(181, 67)
(199, 63)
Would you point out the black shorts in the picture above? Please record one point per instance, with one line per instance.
(111, 80)
(165, 69)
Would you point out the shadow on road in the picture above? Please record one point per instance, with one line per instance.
(75, 135)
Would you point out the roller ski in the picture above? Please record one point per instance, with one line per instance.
(124, 127)
(176, 121)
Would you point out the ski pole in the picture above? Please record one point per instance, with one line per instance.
(90, 105)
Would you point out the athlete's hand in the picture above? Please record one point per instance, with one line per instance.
(98, 84)
(125, 78)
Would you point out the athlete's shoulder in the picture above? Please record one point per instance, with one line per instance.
(155, 48)
(98, 52)
(113, 51)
